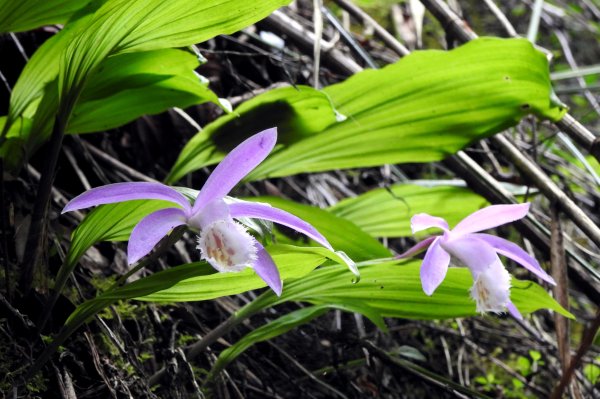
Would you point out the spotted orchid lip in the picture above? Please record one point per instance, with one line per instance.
(227, 246)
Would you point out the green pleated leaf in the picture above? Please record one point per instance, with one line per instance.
(342, 234)
(395, 291)
(389, 289)
(41, 69)
(65, 67)
(297, 112)
(387, 212)
(130, 85)
(423, 108)
(125, 26)
(123, 88)
(22, 15)
(292, 262)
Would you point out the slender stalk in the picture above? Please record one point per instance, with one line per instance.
(587, 340)
(535, 174)
(37, 228)
(163, 246)
(194, 350)
(508, 27)
(534, 22)
(421, 372)
(559, 272)
(3, 226)
(380, 31)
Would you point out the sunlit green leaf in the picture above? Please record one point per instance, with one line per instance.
(297, 112)
(292, 262)
(125, 26)
(342, 234)
(22, 15)
(127, 86)
(67, 64)
(386, 212)
(423, 108)
(41, 69)
(391, 289)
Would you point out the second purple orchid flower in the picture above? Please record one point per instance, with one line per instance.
(478, 251)
(223, 242)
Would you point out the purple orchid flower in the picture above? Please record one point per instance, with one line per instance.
(478, 251)
(223, 242)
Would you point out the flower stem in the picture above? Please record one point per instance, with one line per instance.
(37, 228)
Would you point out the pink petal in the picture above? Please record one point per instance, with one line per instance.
(267, 212)
(423, 221)
(418, 247)
(516, 253)
(514, 312)
(434, 267)
(119, 192)
(491, 216)
(235, 166)
(150, 230)
(473, 252)
(267, 270)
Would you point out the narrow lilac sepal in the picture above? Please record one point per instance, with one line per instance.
(516, 253)
(423, 221)
(491, 216)
(267, 270)
(418, 247)
(119, 192)
(235, 166)
(514, 312)
(473, 252)
(267, 212)
(434, 267)
(150, 230)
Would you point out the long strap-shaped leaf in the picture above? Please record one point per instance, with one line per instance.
(423, 108)
(22, 15)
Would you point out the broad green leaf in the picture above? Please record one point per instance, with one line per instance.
(343, 235)
(423, 108)
(394, 290)
(292, 262)
(41, 69)
(297, 112)
(130, 85)
(390, 289)
(115, 28)
(386, 212)
(125, 26)
(22, 15)
(123, 88)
